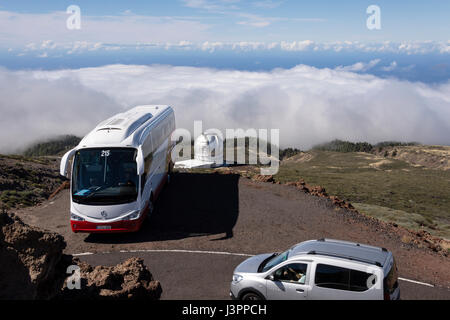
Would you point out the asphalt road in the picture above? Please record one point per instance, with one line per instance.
(205, 276)
(223, 213)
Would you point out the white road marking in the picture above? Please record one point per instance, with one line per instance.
(212, 252)
(188, 251)
(82, 254)
(416, 282)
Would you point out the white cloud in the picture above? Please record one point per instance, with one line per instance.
(309, 105)
(267, 4)
(359, 66)
(247, 46)
(212, 46)
(47, 31)
(81, 46)
(28, 28)
(231, 8)
(212, 5)
(255, 23)
(30, 47)
(35, 109)
(48, 44)
(391, 67)
(445, 49)
(296, 45)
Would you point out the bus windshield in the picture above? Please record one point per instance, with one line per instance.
(105, 176)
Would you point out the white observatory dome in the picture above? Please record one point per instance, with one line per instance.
(209, 148)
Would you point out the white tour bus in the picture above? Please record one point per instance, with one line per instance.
(118, 170)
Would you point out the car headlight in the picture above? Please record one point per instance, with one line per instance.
(75, 217)
(237, 278)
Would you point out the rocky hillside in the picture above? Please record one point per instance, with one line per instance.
(33, 267)
(407, 185)
(431, 157)
(27, 181)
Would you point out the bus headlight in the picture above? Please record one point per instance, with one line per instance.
(133, 216)
(75, 217)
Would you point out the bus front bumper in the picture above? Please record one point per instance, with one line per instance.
(111, 227)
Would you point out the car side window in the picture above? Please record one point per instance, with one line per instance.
(333, 277)
(294, 272)
(361, 281)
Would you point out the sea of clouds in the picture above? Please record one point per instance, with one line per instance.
(308, 105)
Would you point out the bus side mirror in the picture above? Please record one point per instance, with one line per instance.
(140, 162)
(63, 169)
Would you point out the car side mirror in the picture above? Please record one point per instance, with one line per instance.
(271, 277)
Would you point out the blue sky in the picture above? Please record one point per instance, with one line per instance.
(273, 20)
(413, 42)
(264, 20)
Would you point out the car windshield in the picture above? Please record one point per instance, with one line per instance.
(105, 176)
(274, 261)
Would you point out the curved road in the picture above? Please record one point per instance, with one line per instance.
(223, 213)
(206, 276)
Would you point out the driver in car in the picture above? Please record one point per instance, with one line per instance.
(291, 275)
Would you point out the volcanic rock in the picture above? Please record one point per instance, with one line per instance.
(33, 267)
(128, 280)
(29, 259)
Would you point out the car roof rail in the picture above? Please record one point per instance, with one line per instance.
(351, 243)
(377, 263)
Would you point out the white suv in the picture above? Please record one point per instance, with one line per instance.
(318, 270)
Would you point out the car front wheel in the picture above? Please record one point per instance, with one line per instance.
(251, 297)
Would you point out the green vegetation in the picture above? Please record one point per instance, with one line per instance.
(14, 198)
(288, 152)
(386, 144)
(27, 181)
(347, 146)
(344, 146)
(371, 180)
(23, 159)
(412, 221)
(53, 147)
